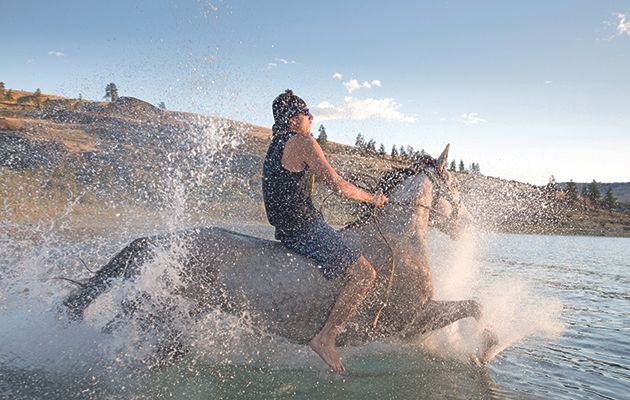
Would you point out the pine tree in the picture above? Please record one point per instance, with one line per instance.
(381, 150)
(403, 154)
(111, 92)
(162, 105)
(462, 168)
(9, 95)
(322, 138)
(37, 97)
(609, 200)
(453, 166)
(593, 192)
(410, 151)
(371, 146)
(571, 191)
(394, 152)
(2, 93)
(359, 141)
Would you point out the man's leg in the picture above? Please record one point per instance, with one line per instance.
(361, 276)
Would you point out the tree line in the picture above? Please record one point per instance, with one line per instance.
(399, 153)
(590, 192)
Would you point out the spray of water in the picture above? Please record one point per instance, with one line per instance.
(512, 308)
(34, 332)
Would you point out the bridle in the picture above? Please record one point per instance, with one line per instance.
(442, 184)
(427, 166)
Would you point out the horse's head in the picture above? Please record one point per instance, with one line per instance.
(427, 185)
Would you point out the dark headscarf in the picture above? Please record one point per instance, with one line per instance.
(284, 107)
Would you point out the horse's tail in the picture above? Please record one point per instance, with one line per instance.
(125, 264)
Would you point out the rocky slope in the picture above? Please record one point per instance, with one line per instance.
(132, 155)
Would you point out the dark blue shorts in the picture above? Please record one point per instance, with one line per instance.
(323, 244)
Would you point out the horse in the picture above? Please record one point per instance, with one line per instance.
(284, 294)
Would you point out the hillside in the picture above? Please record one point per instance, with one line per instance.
(133, 159)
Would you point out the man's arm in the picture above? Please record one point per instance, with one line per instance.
(301, 150)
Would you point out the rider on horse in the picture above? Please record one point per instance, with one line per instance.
(293, 160)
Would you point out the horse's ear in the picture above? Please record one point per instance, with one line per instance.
(441, 161)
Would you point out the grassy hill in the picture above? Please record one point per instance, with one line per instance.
(103, 162)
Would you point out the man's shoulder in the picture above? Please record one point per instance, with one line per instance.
(303, 141)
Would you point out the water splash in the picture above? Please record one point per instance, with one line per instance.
(35, 335)
(512, 308)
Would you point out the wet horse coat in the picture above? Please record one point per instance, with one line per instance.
(284, 293)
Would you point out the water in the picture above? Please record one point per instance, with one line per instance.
(559, 304)
(591, 277)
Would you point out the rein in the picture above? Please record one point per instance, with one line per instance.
(437, 179)
(431, 209)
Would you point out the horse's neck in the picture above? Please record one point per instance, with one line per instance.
(397, 234)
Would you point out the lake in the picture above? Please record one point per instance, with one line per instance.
(560, 306)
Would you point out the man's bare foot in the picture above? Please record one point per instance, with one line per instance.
(327, 352)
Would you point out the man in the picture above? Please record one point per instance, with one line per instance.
(293, 159)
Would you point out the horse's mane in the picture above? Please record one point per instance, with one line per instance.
(389, 182)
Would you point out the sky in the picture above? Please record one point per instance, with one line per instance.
(524, 89)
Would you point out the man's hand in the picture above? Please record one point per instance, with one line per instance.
(378, 199)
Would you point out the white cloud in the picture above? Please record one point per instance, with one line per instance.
(623, 26)
(472, 119)
(279, 61)
(55, 53)
(337, 76)
(354, 84)
(362, 109)
(548, 82)
(30, 61)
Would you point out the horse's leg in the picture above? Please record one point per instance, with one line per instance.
(438, 314)
(124, 264)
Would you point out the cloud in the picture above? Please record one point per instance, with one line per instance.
(623, 26)
(548, 82)
(55, 53)
(472, 119)
(337, 76)
(362, 109)
(354, 84)
(279, 61)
